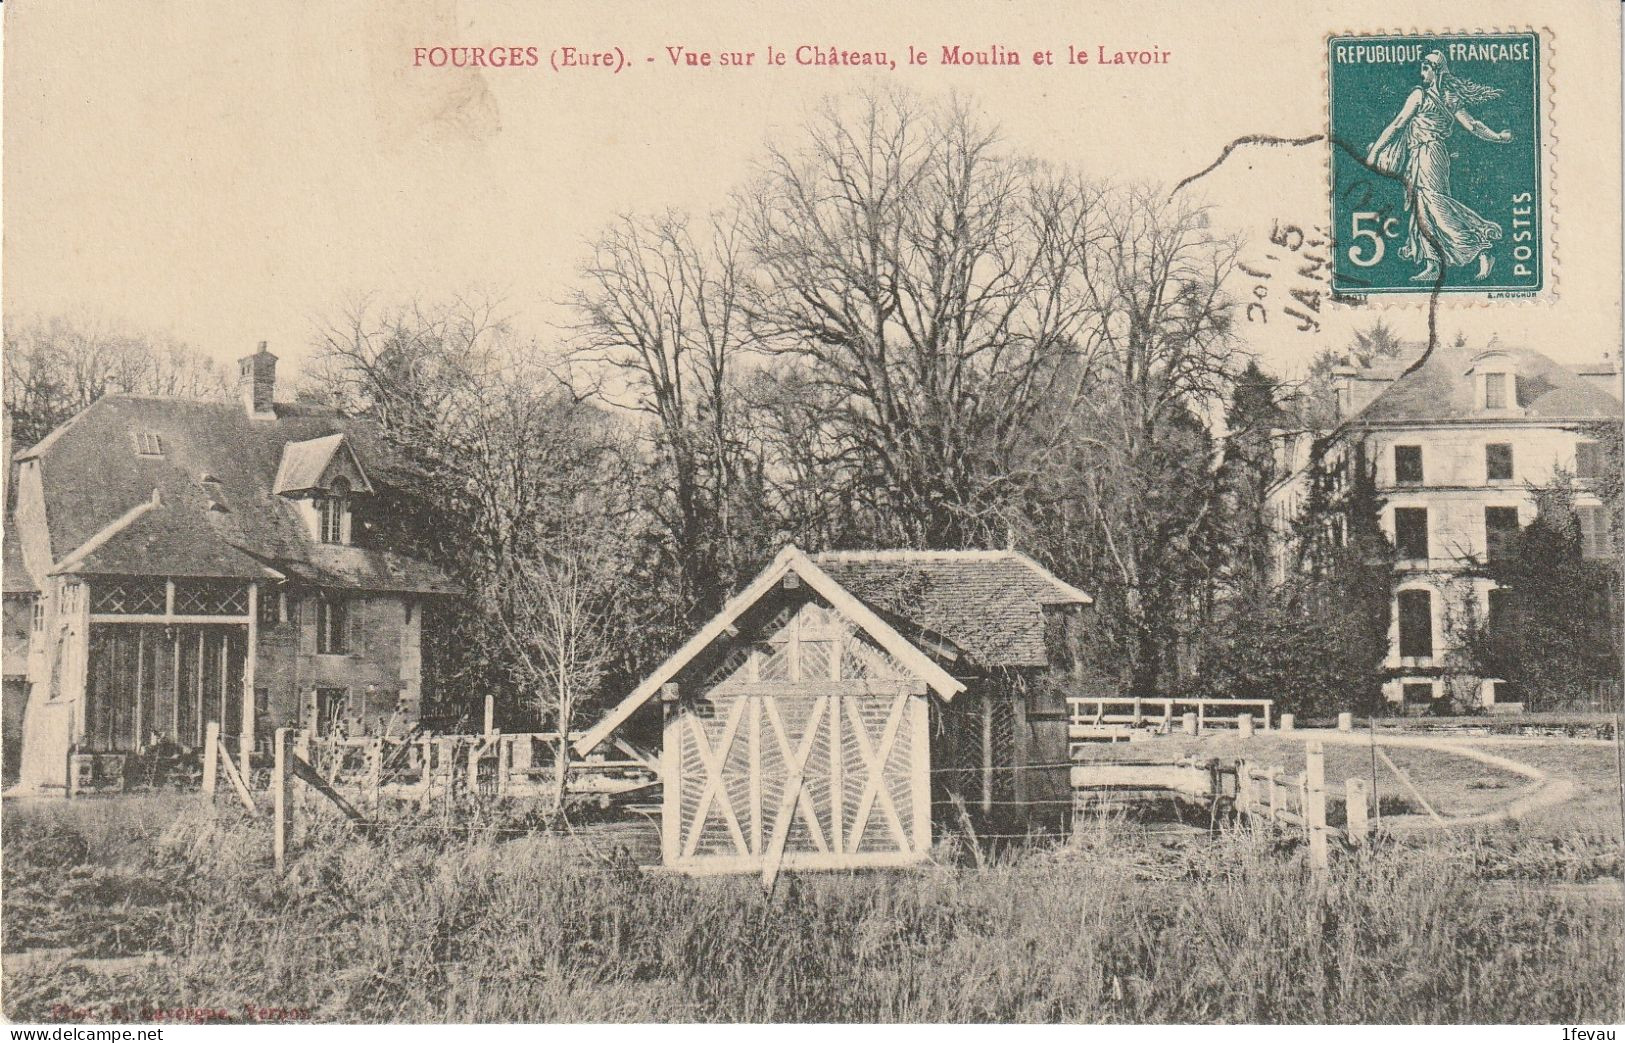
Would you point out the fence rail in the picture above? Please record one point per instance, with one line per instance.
(1106, 712)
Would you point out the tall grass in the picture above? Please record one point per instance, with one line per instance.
(431, 925)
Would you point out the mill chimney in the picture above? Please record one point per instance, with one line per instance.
(256, 382)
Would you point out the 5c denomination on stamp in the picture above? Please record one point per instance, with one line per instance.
(1436, 168)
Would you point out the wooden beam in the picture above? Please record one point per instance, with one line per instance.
(987, 752)
(920, 751)
(313, 778)
(211, 758)
(671, 783)
(236, 779)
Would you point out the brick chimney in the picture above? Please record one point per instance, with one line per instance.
(256, 382)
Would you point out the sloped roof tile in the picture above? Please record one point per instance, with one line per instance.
(231, 524)
(988, 604)
(1443, 389)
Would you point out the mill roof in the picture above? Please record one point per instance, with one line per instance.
(138, 485)
(988, 604)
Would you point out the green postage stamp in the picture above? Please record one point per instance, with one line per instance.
(1436, 169)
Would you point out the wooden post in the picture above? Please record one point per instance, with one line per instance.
(301, 749)
(1190, 724)
(919, 751)
(211, 758)
(282, 797)
(490, 715)
(1314, 809)
(474, 750)
(251, 654)
(1345, 722)
(1277, 794)
(1244, 725)
(1244, 788)
(1288, 721)
(504, 764)
(1358, 811)
(987, 752)
(375, 771)
(427, 758)
(671, 765)
(1139, 714)
(1201, 717)
(245, 757)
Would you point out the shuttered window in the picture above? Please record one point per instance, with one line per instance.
(1415, 623)
(1411, 533)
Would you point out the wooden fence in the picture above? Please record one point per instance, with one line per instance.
(350, 771)
(1096, 713)
(1272, 797)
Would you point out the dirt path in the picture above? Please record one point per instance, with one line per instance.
(1544, 791)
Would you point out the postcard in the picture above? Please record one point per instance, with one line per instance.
(929, 513)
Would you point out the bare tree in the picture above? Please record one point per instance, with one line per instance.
(559, 614)
(923, 276)
(56, 366)
(499, 464)
(1136, 487)
(659, 328)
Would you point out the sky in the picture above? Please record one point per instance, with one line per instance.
(229, 174)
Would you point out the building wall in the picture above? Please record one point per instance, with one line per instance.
(1455, 490)
(380, 671)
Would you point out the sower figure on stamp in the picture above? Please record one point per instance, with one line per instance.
(1442, 228)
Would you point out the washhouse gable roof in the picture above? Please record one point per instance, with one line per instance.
(789, 561)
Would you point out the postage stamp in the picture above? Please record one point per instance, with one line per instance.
(1437, 166)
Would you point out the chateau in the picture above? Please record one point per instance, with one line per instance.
(1457, 447)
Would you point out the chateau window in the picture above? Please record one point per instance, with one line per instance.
(1408, 464)
(1596, 535)
(1502, 615)
(1587, 460)
(1495, 391)
(1411, 533)
(1498, 462)
(1415, 623)
(39, 616)
(1417, 693)
(332, 626)
(334, 508)
(1500, 532)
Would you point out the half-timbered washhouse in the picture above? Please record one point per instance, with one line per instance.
(203, 562)
(843, 702)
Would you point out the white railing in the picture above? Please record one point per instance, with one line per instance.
(1140, 712)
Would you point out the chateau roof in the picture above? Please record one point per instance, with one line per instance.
(1443, 389)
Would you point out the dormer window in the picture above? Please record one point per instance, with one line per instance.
(334, 513)
(1495, 390)
(148, 443)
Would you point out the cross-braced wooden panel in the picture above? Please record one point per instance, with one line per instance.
(206, 598)
(131, 597)
(821, 779)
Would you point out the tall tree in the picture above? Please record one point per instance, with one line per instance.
(922, 274)
(659, 327)
(497, 463)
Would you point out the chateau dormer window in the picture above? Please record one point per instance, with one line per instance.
(334, 511)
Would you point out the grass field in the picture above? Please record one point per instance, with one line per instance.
(431, 924)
